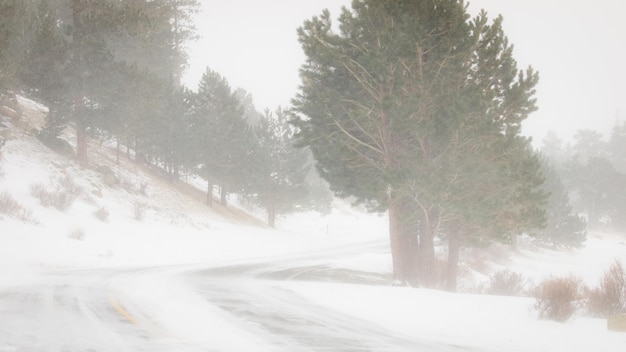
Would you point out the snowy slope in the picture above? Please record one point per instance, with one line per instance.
(176, 229)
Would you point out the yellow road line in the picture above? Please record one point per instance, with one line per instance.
(121, 310)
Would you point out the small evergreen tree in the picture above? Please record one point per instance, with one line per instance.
(617, 147)
(280, 169)
(589, 144)
(171, 135)
(564, 227)
(221, 138)
(598, 191)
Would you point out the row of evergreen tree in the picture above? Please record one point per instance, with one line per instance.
(112, 70)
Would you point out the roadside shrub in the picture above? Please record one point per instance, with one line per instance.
(9, 206)
(70, 187)
(61, 197)
(143, 188)
(558, 298)
(57, 199)
(609, 298)
(508, 283)
(139, 210)
(77, 234)
(102, 214)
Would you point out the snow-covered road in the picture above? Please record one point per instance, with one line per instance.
(241, 307)
(288, 303)
(70, 311)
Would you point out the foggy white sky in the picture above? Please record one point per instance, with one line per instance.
(578, 47)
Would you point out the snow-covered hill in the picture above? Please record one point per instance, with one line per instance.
(141, 220)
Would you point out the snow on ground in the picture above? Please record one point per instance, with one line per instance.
(587, 263)
(176, 229)
(486, 323)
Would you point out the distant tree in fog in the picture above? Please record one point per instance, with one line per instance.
(599, 191)
(617, 147)
(279, 169)
(250, 113)
(555, 149)
(221, 138)
(588, 144)
(74, 47)
(592, 174)
(564, 226)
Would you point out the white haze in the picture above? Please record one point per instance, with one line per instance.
(578, 47)
(136, 283)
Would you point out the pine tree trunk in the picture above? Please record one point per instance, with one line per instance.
(117, 152)
(223, 199)
(77, 8)
(394, 240)
(426, 250)
(403, 243)
(209, 192)
(81, 134)
(271, 215)
(454, 245)
(137, 148)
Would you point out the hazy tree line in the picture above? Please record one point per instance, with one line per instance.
(592, 170)
(111, 69)
(415, 108)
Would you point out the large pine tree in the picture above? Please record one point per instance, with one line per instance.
(404, 107)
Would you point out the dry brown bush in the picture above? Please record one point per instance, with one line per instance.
(558, 298)
(77, 234)
(508, 283)
(609, 298)
(61, 197)
(8, 205)
(70, 187)
(57, 199)
(102, 214)
(139, 210)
